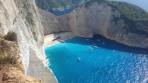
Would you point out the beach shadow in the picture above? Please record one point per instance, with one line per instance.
(101, 42)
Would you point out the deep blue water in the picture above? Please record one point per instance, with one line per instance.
(102, 61)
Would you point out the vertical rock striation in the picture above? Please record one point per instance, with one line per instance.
(99, 18)
(21, 17)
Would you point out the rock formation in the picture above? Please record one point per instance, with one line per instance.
(11, 67)
(21, 17)
(98, 18)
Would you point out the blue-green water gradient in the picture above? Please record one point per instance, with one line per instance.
(97, 60)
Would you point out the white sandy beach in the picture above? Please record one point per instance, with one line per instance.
(51, 38)
(48, 41)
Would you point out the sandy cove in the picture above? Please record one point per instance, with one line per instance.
(55, 38)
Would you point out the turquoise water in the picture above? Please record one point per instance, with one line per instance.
(97, 60)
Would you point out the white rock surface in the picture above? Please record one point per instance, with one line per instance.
(21, 16)
(97, 18)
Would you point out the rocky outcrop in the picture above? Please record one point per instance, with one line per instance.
(14, 73)
(21, 17)
(98, 18)
(11, 67)
(9, 52)
(53, 23)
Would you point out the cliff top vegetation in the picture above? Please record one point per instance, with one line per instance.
(130, 11)
(49, 4)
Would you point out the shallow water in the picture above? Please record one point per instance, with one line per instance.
(97, 60)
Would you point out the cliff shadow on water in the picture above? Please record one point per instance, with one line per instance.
(101, 42)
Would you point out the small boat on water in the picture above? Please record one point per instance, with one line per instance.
(62, 41)
(68, 7)
(55, 9)
(96, 46)
(56, 38)
(98, 40)
(90, 48)
(87, 39)
(78, 58)
(61, 9)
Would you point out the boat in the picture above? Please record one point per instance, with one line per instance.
(56, 38)
(62, 41)
(90, 49)
(87, 39)
(68, 7)
(78, 58)
(96, 46)
(61, 9)
(98, 40)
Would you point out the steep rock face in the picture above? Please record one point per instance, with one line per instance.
(81, 21)
(98, 18)
(14, 17)
(21, 17)
(53, 23)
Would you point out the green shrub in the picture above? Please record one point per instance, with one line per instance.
(11, 36)
(49, 4)
(130, 11)
(34, 35)
(29, 18)
(9, 52)
(8, 59)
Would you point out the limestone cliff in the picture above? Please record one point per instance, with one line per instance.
(102, 19)
(21, 17)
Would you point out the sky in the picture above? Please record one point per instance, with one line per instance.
(141, 3)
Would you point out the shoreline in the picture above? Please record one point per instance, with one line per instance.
(48, 41)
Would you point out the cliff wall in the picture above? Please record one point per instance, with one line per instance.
(21, 17)
(98, 18)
